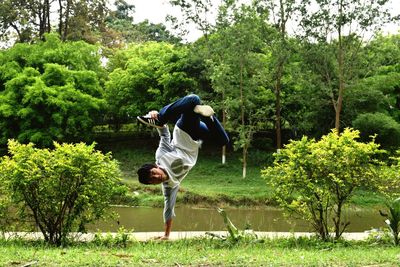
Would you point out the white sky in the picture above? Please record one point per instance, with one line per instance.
(156, 11)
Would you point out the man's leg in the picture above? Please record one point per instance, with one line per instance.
(173, 111)
(186, 113)
(212, 130)
(187, 108)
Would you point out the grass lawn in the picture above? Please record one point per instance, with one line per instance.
(202, 252)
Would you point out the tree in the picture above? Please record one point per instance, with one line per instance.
(237, 72)
(144, 77)
(63, 189)
(28, 19)
(32, 19)
(340, 22)
(194, 11)
(372, 103)
(121, 28)
(156, 32)
(390, 188)
(50, 91)
(381, 124)
(280, 46)
(316, 179)
(86, 20)
(383, 54)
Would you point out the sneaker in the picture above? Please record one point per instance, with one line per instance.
(204, 110)
(148, 120)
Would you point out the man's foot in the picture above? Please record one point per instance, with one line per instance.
(148, 120)
(204, 110)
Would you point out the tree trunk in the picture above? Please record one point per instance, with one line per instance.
(244, 161)
(339, 103)
(279, 74)
(223, 124)
(60, 21)
(337, 221)
(42, 20)
(17, 30)
(242, 115)
(224, 147)
(278, 106)
(48, 25)
(67, 11)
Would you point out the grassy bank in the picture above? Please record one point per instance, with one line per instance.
(209, 183)
(202, 252)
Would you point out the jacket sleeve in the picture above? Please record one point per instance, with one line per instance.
(169, 201)
(165, 142)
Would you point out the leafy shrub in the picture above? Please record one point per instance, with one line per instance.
(121, 239)
(235, 235)
(315, 180)
(386, 128)
(62, 189)
(378, 236)
(393, 219)
(50, 90)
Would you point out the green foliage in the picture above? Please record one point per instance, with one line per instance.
(145, 77)
(63, 189)
(18, 18)
(50, 91)
(384, 126)
(316, 179)
(121, 239)
(237, 69)
(371, 106)
(124, 31)
(379, 236)
(383, 54)
(30, 20)
(344, 20)
(235, 235)
(393, 219)
(74, 55)
(192, 11)
(390, 178)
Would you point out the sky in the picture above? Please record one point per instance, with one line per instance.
(156, 10)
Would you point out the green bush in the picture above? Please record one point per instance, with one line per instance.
(121, 239)
(50, 90)
(393, 219)
(386, 128)
(316, 179)
(63, 189)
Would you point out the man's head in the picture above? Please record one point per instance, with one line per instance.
(150, 173)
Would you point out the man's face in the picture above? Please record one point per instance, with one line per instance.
(157, 175)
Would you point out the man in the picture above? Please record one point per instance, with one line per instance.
(175, 157)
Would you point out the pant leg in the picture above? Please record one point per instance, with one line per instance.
(181, 112)
(212, 130)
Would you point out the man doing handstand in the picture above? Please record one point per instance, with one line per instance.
(175, 157)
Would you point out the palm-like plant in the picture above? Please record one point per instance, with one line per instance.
(393, 219)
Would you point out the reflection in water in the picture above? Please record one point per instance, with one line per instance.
(142, 219)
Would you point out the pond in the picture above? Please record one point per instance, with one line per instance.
(269, 219)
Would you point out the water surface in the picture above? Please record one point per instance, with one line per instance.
(143, 219)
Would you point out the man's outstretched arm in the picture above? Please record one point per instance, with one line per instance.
(168, 227)
(169, 205)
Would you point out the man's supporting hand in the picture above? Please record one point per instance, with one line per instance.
(168, 226)
(161, 238)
